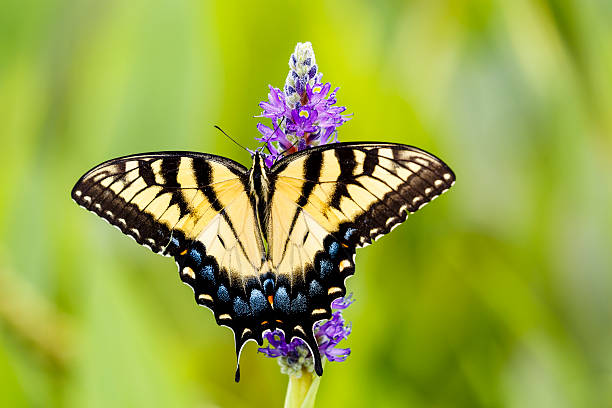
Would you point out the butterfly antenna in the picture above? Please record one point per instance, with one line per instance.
(292, 146)
(230, 138)
(276, 127)
(286, 150)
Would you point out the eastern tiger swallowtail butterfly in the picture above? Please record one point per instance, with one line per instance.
(265, 249)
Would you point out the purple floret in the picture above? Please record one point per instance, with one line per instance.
(276, 107)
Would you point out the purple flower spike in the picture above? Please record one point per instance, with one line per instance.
(303, 114)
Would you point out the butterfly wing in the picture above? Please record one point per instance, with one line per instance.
(193, 207)
(326, 202)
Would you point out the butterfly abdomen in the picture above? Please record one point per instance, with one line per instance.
(258, 186)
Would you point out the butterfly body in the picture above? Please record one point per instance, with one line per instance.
(259, 191)
(265, 249)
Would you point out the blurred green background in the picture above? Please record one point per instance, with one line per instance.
(495, 295)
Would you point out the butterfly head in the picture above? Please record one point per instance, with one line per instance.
(258, 175)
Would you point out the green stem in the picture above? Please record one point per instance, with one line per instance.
(302, 391)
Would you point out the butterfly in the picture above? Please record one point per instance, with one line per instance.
(265, 248)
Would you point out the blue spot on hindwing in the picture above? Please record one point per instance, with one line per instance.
(258, 301)
(325, 268)
(315, 289)
(196, 256)
(268, 286)
(281, 300)
(223, 294)
(334, 247)
(208, 273)
(241, 308)
(349, 232)
(298, 305)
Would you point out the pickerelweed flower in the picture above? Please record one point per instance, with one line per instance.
(303, 113)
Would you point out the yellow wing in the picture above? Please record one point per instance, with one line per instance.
(328, 201)
(191, 206)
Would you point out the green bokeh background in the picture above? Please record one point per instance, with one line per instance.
(496, 295)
